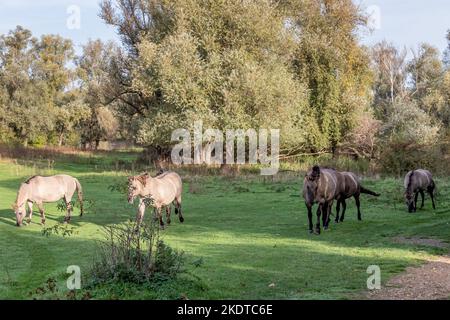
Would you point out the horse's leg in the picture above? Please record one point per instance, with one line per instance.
(41, 211)
(431, 191)
(358, 206)
(319, 211)
(69, 209)
(415, 200)
(161, 222)
(178, 208)
(30, 209)
(330, 208)
(344, 207)
(140, 212)
(324, 215)
(338, 208)
(422, 194)
(155, 215)
(168, 209)
(309, 208)
(327, 216)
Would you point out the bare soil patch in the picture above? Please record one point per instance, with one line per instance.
(430, 281)
(422, 241)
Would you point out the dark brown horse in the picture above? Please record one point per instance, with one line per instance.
(321, 186)
(351, 188)
(418, 181)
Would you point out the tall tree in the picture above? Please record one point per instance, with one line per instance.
(94, 68)
(426, 73)
(223, 62)
(389, 65)
(330, 60)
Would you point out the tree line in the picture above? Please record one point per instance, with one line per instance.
(297, 65)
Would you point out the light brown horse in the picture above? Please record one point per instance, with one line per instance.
(41, 190)
(351, 188)
(418, 181)
(163, 190)
(321, 186)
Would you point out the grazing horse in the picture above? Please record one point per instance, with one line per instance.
(41, 190)
(163, 190)
(321, 186)
(418, 181)
(351, 188)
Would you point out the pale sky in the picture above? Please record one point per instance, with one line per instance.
(403, 22)
(407, 23)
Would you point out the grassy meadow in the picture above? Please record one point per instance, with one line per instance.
(244, 237)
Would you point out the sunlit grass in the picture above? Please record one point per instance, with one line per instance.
(244, 237)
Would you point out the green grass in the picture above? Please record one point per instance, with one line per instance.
(240, 236)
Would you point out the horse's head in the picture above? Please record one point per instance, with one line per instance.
(136, 184)
(20, 213)
(409, 200)
(311, 182)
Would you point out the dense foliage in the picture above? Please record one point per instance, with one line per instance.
(294, 65)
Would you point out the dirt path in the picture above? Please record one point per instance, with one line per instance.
(430, 281)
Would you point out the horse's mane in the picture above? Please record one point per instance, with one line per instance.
(29, 179)
(160, 172)
(408, 186)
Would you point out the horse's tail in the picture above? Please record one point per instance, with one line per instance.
(80, 196)
(367, 191)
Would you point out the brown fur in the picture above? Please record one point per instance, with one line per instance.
(164, 189)
(321, 186)
(417, 182)
(351, 188)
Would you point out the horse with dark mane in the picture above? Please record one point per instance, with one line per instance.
(321, 186)
(351, 188)
(163, 190)
(39, 190)
(418, 181)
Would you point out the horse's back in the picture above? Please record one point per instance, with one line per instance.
(419, 178)
(332, 183)
(351, 183)
(171, 178)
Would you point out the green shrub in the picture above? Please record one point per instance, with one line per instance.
(397, 158)
(134, 255)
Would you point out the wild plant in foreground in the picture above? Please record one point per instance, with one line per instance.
(134, 254)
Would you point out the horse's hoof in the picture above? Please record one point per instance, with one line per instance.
(181, 219)
(311, 231)
(43, 222)
(168, 221)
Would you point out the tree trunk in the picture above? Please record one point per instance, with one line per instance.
(60, 139)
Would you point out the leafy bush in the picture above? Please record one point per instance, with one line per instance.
(134, 255)
(397, 158)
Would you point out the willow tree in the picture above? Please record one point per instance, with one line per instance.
(335, 67)
(226, 63)
(293, 65)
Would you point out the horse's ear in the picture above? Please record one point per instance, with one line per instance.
(142, 179)
(316, 170)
